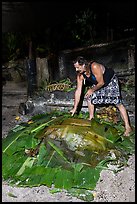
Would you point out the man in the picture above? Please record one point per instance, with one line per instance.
(104, 88)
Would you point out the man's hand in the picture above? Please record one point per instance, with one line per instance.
(72, 111)
(89, 93)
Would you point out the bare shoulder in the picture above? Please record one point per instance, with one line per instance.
(95, 65)
(80, 77)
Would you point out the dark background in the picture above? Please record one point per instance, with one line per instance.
(25, 16)
(50, 24)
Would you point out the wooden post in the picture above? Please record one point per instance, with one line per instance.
(42, 71)
(131, 57)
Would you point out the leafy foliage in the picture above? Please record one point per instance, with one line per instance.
(83, 28)
(50, 151)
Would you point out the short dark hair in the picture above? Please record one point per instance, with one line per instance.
(81, 60)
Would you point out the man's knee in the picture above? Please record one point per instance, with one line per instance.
(119, 105)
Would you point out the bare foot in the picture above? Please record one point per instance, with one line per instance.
(90, 118)
(127, 132)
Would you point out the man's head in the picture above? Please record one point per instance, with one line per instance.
(79, 64)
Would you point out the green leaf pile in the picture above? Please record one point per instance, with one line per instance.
(64, 152)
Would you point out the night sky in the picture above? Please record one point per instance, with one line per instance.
(23, 16)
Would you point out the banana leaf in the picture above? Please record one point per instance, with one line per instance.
(59, 150)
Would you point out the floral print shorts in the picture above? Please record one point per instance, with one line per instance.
(109, 94)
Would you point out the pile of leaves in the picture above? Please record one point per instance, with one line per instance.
(62, 152)
(62, 85)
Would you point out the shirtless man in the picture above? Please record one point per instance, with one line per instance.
(104, 88)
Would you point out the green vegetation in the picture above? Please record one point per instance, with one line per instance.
(68, 153)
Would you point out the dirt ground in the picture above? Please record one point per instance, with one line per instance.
(119, 187)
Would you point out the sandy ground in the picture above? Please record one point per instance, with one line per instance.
(111, 187)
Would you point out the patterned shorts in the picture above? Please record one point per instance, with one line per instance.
(109, 94)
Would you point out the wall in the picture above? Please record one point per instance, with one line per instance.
(118, 55)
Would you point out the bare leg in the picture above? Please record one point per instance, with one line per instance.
(124, 116)
(90, 109)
